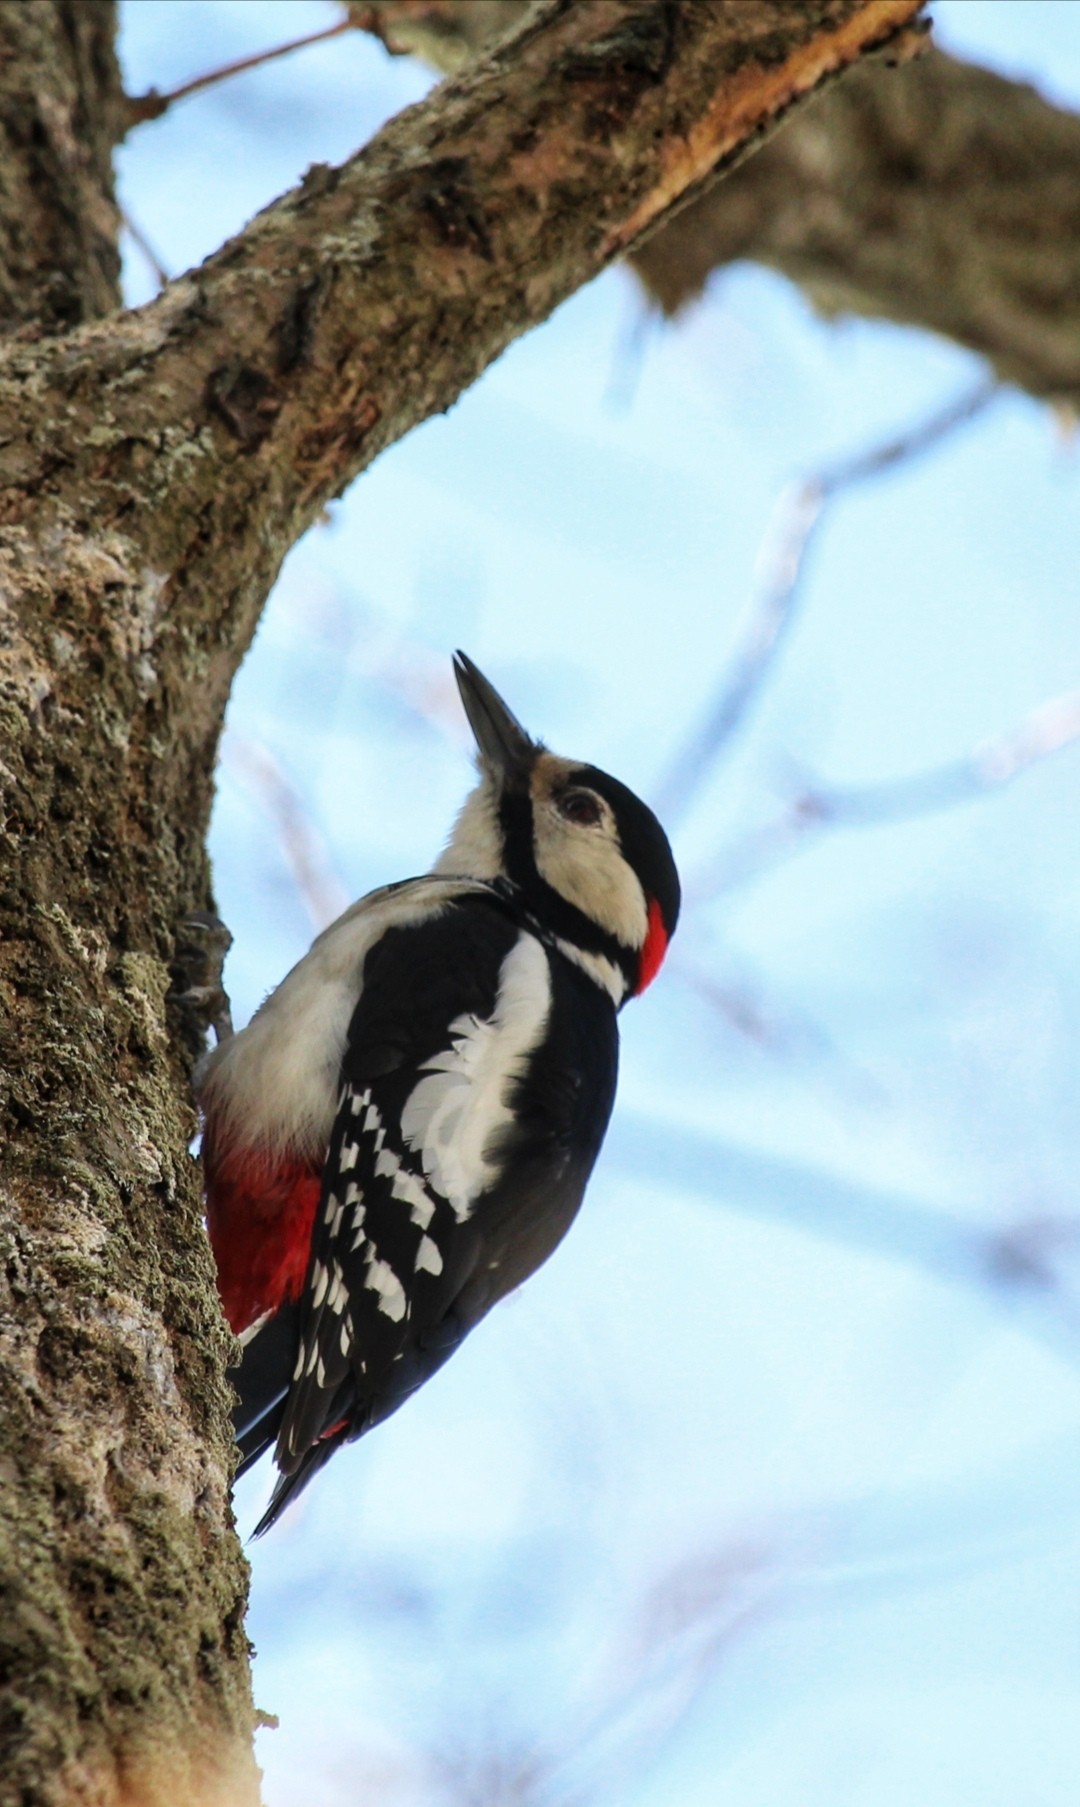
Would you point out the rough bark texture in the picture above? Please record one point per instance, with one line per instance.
(60, 115)
(123, 1663)
(939, 195)
(155, 468)
(446, 33)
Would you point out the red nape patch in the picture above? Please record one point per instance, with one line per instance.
(260, 1216)
(652, 954)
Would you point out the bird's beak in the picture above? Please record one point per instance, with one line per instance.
(505, 748)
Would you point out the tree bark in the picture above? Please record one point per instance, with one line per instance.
(940, 196)
(155, 468)
(61, 113)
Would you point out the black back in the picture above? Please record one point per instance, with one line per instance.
(361, 1360)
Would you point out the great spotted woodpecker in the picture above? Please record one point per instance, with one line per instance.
(404, 1131)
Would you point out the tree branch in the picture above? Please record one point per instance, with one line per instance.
(774, 601)
(254, 389)
(942, 196)
(141, 107)
(817, 808)
(939, 195)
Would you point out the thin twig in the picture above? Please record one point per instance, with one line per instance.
(775, 590)
(142, 243)
(817, 809)
(304, 848)
(153, 104)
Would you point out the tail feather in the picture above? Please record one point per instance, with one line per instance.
(262, 1379)
(258, 1438)
(289, 1485)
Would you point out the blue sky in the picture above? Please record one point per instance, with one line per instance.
(767, 1487)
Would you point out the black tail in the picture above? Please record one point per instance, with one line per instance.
(262, 1379)
(289, 1485)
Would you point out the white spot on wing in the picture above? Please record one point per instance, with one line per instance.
(406, 1186)
(320, 1280)
(382, 1279)
(451, 1117)
(428, 1258)
(386, 1164)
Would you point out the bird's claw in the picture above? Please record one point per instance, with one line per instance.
(202, 943)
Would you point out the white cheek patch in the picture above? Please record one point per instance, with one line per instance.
(451, 1117)
(586, 866)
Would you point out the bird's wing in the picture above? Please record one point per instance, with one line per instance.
(451, 1010)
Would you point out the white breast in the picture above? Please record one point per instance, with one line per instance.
(452, 1116)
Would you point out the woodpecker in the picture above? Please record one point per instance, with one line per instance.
(405, 1129)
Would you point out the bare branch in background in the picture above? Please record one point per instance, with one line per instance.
(305, 850)
(818, 809)
(152, 104)
(776, 589)
(145, 248)
(420, 680)
(1014, 1264)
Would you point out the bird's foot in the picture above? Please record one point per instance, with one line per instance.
(198, 989)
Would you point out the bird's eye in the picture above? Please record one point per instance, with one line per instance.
(580, 807)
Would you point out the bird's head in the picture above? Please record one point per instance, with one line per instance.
(591, 860)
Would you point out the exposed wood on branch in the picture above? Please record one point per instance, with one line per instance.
(939, 195)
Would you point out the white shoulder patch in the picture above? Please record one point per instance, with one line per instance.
(451, 1117)
(275, 1084)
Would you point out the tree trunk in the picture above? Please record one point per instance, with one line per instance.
(155, 468)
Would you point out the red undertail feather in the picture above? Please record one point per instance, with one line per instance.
(652, 954)
(260, 1215)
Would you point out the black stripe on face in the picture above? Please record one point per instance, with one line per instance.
(553, 910)
(645, 847)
